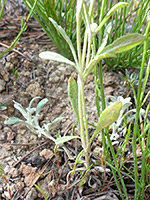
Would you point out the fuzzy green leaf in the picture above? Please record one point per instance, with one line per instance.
(13, 120)
(40, 105)
(32, 100)
(109, 116)
(63, 139)
(48, 55)
(124, 43)
(73, 96)
(19, 107)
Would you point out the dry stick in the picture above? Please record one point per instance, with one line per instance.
(14, 165)
(7, 46)
(37, 176)
(18, 46)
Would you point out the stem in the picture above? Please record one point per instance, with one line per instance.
(102, 85)
(81, 98)
(83, 120)
(117, 169)
(136, 125)
(23, 28)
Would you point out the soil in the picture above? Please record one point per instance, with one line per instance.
(27, 159)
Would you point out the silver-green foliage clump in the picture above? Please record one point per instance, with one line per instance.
(31, 121)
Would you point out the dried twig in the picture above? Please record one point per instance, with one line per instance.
(14, 165)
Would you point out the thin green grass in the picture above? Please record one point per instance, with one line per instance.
(23, 28)
(131, 19)
(63, 12)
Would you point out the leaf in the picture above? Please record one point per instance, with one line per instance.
(40, 105)
(77, 161)
(48, 55)
(94, 61)
(124, 43)
(56, 120)
(48, 126)
(65, 36)
(105, 38)
(3, 107)
(109, 116)
(13, 120)
(63, 139)
(32, 100)
(73, 96)
(19, 107)
(109, 14)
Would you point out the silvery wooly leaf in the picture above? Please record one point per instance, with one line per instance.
(40, 105)
(48, 55)
(32, 100)
(64, 139)
(13, 120)
(19, 107)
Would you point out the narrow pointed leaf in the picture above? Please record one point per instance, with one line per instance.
(63, 139)
(13, 120)
(106, 34)
(48, 126)
(48, 55)
(109, 14)
(65, 36)
(124, 43)
(73, 96)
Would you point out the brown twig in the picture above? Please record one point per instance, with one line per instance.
(14, 165)
(7, 46)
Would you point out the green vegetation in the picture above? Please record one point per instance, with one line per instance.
(100, 34)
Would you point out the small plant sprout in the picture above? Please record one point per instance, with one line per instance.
(31, 121)
(84, 61)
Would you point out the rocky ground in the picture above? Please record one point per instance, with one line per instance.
(26, 158)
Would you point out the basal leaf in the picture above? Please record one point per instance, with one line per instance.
(32, 100)
(19, 107)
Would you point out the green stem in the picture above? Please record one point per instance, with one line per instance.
(117, 169)
(2, 8)
(102, 85)
(83, 120)
(136, 125)
(81, 98)
(23, 28)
